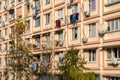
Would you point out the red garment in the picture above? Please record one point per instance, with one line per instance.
(58, 23)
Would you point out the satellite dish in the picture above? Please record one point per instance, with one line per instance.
(114, 60)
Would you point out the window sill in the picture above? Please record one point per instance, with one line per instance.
(74, 39)
(113, 31)
(91, 61)
(37, 26)
(109, 4)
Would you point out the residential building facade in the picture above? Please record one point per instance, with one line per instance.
(53, 26)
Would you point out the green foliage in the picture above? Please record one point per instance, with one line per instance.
(20, 56)
(73, 67)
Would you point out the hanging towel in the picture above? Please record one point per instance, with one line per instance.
(58, 22)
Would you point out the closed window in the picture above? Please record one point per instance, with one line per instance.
(6, 17)
(92, 5)
(47, 19)
(37, 4)
(113, 52)
(0, 6)
(0, 47)
(92, 55)
(92, 30)
(47, 1)
(12, 30)
(113, 24)
(60, 35)
(48, 38)
(6, 47)
(75, 33)
(37, 22)
(0, 61)
(75, 8)
(0, 33)
(28, 25)
(60, 13)
(6, 3)
(5, 31)
(0, 20)
(46, 58)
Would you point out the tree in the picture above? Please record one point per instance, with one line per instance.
(72, 67)
(20, 56)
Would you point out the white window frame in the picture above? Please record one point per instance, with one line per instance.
(113, 24)
(111, 53)
(60, 13)
(92, 5)
(47, 18)
(92, 55)
(74, 8)
(75, 33)
(92, 30)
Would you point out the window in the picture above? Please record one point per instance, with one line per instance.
(92, 30)
(28, 25)
(12, 14)
(48, 38)
(113, 52)
(75, 8)
(12, 30)
(113, 24)
(5, 31)
(5, 17)
(0, 47)
(6, 3)
(37, 42)
(6, 47)
(37, 22)
(47, 18)
(112, 1)
(92, 55)
(75, 33)
(19, 0)
(46, 57)
(0, 33)
(0, 19)
(0, 6)
(60, 13)
(92, 5)
(37, 4)
(47, 1)
(60, 35)
(0, 61)
(20, 16)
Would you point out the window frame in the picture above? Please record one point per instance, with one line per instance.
(92, 55)
(92, 30)
(38, 22)
(75, 33)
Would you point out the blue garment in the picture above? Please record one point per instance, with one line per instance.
(73, 18)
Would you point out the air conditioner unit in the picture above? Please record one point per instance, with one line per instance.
(87, 13)
(102, 29)
(84, 39)
(60, 43)
(5, 7)
(114, 61)
(43, 45)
